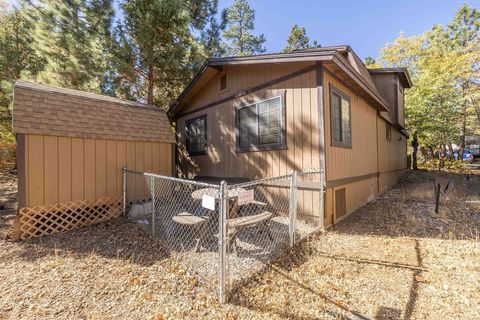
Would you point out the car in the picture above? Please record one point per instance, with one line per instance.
(467, 156)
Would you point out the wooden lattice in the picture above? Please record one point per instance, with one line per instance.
(47, 219)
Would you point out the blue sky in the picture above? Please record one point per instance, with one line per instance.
(365, 25)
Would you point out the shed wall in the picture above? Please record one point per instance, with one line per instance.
(60, 169)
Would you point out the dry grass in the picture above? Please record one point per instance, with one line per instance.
(392, 259)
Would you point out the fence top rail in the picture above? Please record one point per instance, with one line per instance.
(261, 181)
(134, 172)
(274, 180)
(183, 181)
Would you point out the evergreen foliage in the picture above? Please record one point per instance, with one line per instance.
(240, 20)
(298, 40)
(74, 39)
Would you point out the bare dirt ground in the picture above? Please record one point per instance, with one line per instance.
(392, 259)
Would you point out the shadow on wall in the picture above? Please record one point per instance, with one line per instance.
(223, 161)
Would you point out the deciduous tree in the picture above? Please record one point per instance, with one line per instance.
(444, 64)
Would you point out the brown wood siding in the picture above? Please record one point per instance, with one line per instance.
(301, 126)
(375, 166)
(384, 84)
(360, 159)
(60, 169)
(222, 159)
(401, 105)
(392, 156)
(356, 194)
(390, 88)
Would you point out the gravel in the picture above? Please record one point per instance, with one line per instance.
(393, 258)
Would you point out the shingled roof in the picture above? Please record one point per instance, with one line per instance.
(48, 110)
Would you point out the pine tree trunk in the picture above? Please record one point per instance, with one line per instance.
(150, 85)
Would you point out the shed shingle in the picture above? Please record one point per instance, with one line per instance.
(47, 110)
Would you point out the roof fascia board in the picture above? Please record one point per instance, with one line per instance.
(275, 58)
(347, 68)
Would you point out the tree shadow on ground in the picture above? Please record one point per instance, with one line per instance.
(405, 211)
(408, 210)
(115, 239)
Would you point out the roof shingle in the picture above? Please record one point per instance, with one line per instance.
(42, 109)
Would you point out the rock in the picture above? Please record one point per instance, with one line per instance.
(137, 212)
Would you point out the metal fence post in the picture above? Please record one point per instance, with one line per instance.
(124, 190)
(293, 207)
(222, 243)
(152, 191)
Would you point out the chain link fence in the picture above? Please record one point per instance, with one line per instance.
(224, 234)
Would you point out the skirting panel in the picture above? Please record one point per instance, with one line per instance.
(47, 219)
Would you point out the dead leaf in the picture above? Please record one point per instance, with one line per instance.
(420, 278)
(134, 281)
(148, 297)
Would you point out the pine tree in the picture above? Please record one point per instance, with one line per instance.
(297, 39)
(17, 59)
(155, 50)
(211, 31)
(240, 18)
(74, 38)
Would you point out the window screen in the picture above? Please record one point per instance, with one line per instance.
(196, 135)
(260, 125)
(340, 119)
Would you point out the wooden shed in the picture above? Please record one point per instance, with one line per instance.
(71, 147)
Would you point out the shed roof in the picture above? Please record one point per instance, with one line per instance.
(48, 110)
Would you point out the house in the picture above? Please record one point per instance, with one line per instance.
(265, 115)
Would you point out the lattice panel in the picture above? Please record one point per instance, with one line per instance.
(43, 220)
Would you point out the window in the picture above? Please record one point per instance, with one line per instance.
(388, 133)
(341, 125)
(261, 125)
(223, 82)
(196, 135)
